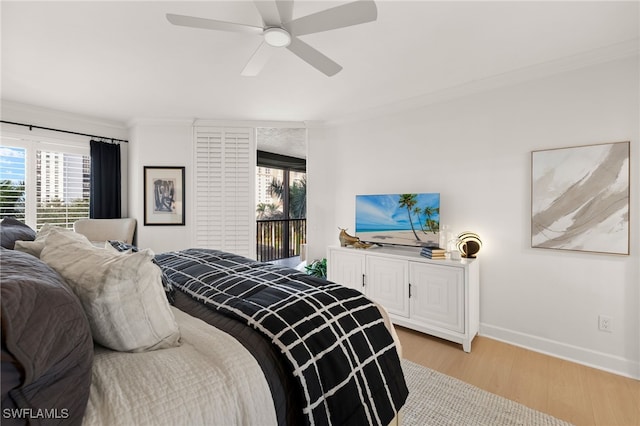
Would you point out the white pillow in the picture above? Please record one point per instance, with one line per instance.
(121, 294)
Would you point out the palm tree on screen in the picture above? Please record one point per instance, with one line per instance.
(432, 225)
(409, 201)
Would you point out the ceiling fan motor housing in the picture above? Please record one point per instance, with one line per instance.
(277, 37)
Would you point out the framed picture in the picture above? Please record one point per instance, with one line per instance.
(163, 195)
(580, 198)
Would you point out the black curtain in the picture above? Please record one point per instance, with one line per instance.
(105, 181)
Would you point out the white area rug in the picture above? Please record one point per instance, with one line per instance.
(438, 399)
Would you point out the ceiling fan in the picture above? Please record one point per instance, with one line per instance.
(281, 30)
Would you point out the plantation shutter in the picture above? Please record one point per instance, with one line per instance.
(225, 167)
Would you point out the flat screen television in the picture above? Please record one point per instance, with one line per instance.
(399, 219)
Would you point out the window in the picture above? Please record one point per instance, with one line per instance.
(44, 181)
(12, 187)
(281, 206)
(275, 173)
(269, 196)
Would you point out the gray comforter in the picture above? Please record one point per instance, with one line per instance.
(47, 349)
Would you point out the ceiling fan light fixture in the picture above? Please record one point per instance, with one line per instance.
(277, 37)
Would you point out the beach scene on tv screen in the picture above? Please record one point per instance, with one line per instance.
(399, 219)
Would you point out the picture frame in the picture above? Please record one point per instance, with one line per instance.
(164, 197)
(580, 198)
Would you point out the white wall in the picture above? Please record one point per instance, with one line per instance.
(475, 151)
(161, 143)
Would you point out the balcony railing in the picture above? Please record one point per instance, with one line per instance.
(280, 238)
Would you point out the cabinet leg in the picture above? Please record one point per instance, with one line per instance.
(466, 346)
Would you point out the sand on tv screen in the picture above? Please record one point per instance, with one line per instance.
(399, 219)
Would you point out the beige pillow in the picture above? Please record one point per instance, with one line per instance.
(35, 247)
(121, 294)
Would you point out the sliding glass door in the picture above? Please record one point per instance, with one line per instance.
(281, 209)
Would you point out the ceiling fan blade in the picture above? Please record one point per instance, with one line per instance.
(354, 13)
(314, 57)
(211, 24)
(258, 60)
(285, 9)
(269, 12)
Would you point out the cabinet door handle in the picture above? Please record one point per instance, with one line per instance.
(409, 290)
(363, 281)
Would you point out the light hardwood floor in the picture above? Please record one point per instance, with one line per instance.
(575, 393)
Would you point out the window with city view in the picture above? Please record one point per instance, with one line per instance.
(56, 190)
(12, 179)
(281, 206)
(271, 196)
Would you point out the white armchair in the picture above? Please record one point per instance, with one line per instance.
(99, 230)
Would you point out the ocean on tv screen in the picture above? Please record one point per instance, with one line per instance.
(404, 219)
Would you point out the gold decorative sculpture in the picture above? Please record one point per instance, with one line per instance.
(469, 244)
(350, 240)
(360, 244)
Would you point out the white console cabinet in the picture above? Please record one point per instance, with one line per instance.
(437, 297)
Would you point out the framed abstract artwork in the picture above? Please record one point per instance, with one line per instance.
(580, 198)
(164, 195)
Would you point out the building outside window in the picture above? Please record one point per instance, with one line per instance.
(43, 182)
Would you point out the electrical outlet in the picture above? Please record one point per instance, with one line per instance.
(605, 323)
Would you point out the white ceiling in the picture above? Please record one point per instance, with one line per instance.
(122, 60)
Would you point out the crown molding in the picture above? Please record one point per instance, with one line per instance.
(618, 51)
(17, 111)
(249, 123)
(135, 122)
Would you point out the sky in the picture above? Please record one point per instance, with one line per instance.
(11, 163)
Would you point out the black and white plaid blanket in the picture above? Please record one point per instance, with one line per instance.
(333, 337)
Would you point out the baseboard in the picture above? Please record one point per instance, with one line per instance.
(613, 364)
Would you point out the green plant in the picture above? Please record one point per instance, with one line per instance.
(318, 268)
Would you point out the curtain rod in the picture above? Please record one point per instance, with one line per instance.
(31, 127)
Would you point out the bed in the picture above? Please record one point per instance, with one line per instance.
(191, 337)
